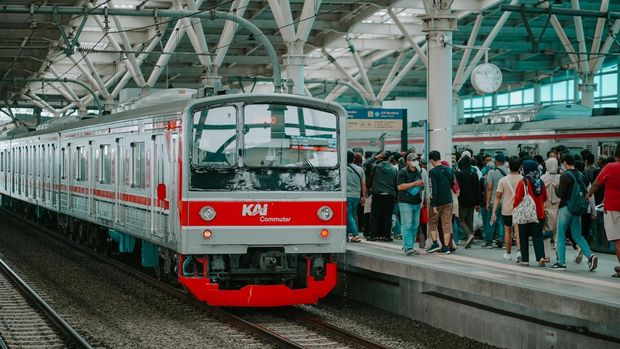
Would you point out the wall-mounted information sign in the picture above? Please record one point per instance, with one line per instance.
(375, 119)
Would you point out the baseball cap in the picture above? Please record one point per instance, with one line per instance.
(500, 157)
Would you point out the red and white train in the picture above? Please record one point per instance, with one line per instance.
(240, 197)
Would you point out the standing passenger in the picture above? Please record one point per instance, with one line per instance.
(505, 193)
(610, 178)
(356, 194)
(469, 198)
(552, 181)
(410, 185)
(493, 178)
(383, 198)
(568, 219)
(536, 190)
(441, 178)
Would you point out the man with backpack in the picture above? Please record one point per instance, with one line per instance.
(442, 187)
(492, 182)
(573, 203)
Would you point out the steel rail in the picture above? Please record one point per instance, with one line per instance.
(338, 332)
(260, 331)
(73, 337)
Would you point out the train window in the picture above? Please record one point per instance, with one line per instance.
(215, 137)
(138, 168)
(105, 164)
(81, 173)
(289, 136)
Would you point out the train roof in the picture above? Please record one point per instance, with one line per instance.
(167, 109)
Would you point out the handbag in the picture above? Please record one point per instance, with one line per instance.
(525, 212)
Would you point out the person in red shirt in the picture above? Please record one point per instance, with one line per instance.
(536, 189)
(610, 178)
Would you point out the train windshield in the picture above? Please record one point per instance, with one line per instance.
(289, 136)
(265, 147)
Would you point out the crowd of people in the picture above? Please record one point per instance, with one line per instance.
(553, 201)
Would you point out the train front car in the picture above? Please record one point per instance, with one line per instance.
(263, 203)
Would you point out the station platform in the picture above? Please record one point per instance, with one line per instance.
(477, 294)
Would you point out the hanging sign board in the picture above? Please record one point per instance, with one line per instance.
(375, 119)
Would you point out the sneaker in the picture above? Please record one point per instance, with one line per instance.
(541, 262)
(518, 257)
(434, 248)
(500, 244)
(356, 239)
(372, 238)
(411, 252)
(557, 266)
(525, 264)
(388, 239)
(445, 250)
(507, 256)
(398, 237)
(452, 249)
(579, 256)
(487, 245)
(470, 240)
(592, 262)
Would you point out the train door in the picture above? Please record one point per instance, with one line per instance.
(119, 164)
(158, 186)
(173, 180)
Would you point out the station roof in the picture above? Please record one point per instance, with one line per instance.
(97, 52)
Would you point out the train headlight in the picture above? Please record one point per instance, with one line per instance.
(325, 213)
(207, 213)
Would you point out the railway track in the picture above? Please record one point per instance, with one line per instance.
(26, 321)
(285, 328)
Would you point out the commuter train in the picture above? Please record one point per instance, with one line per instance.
(534, 130)
(241, 198)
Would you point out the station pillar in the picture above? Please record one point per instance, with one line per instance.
(294, 63)
(438, 25)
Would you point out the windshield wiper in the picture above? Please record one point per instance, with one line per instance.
(275, 158)
(303, 155)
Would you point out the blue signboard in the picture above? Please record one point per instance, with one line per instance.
(376, 114)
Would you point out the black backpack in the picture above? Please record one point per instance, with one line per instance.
(577, 203)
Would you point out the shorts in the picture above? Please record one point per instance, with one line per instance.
(612, 225)
(507, 220)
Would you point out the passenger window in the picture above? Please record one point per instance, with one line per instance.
(138, 162)
(81, 173)
(105, 164)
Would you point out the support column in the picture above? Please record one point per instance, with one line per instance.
(439, 24)
(587, 88)
(537, 94)
(457, 108)
(576, 97)
(494, 100)
(294, 63)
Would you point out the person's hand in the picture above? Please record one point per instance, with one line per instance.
(380, 155)
(477, 208)
(362, 201)
(488, 207)
(435, 210)
(588, 196)
(493, 218)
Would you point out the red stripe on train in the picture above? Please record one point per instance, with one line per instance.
(262, 213)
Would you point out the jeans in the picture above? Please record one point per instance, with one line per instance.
(497, 226)
(487, 233)
(352, 204)
(535, 231)
(410, 221)
(396, 229)
(381, 218)
(566, 220)
(466, 218)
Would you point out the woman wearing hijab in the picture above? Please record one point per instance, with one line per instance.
(551, 179)
(536, 189)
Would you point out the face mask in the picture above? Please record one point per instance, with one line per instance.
(416, 163)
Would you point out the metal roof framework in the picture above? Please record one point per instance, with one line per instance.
(352, 51)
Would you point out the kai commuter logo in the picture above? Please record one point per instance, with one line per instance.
(254, 210)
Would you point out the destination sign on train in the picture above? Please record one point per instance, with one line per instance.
(379, 119)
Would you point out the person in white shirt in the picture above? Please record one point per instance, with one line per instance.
(506, 189)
